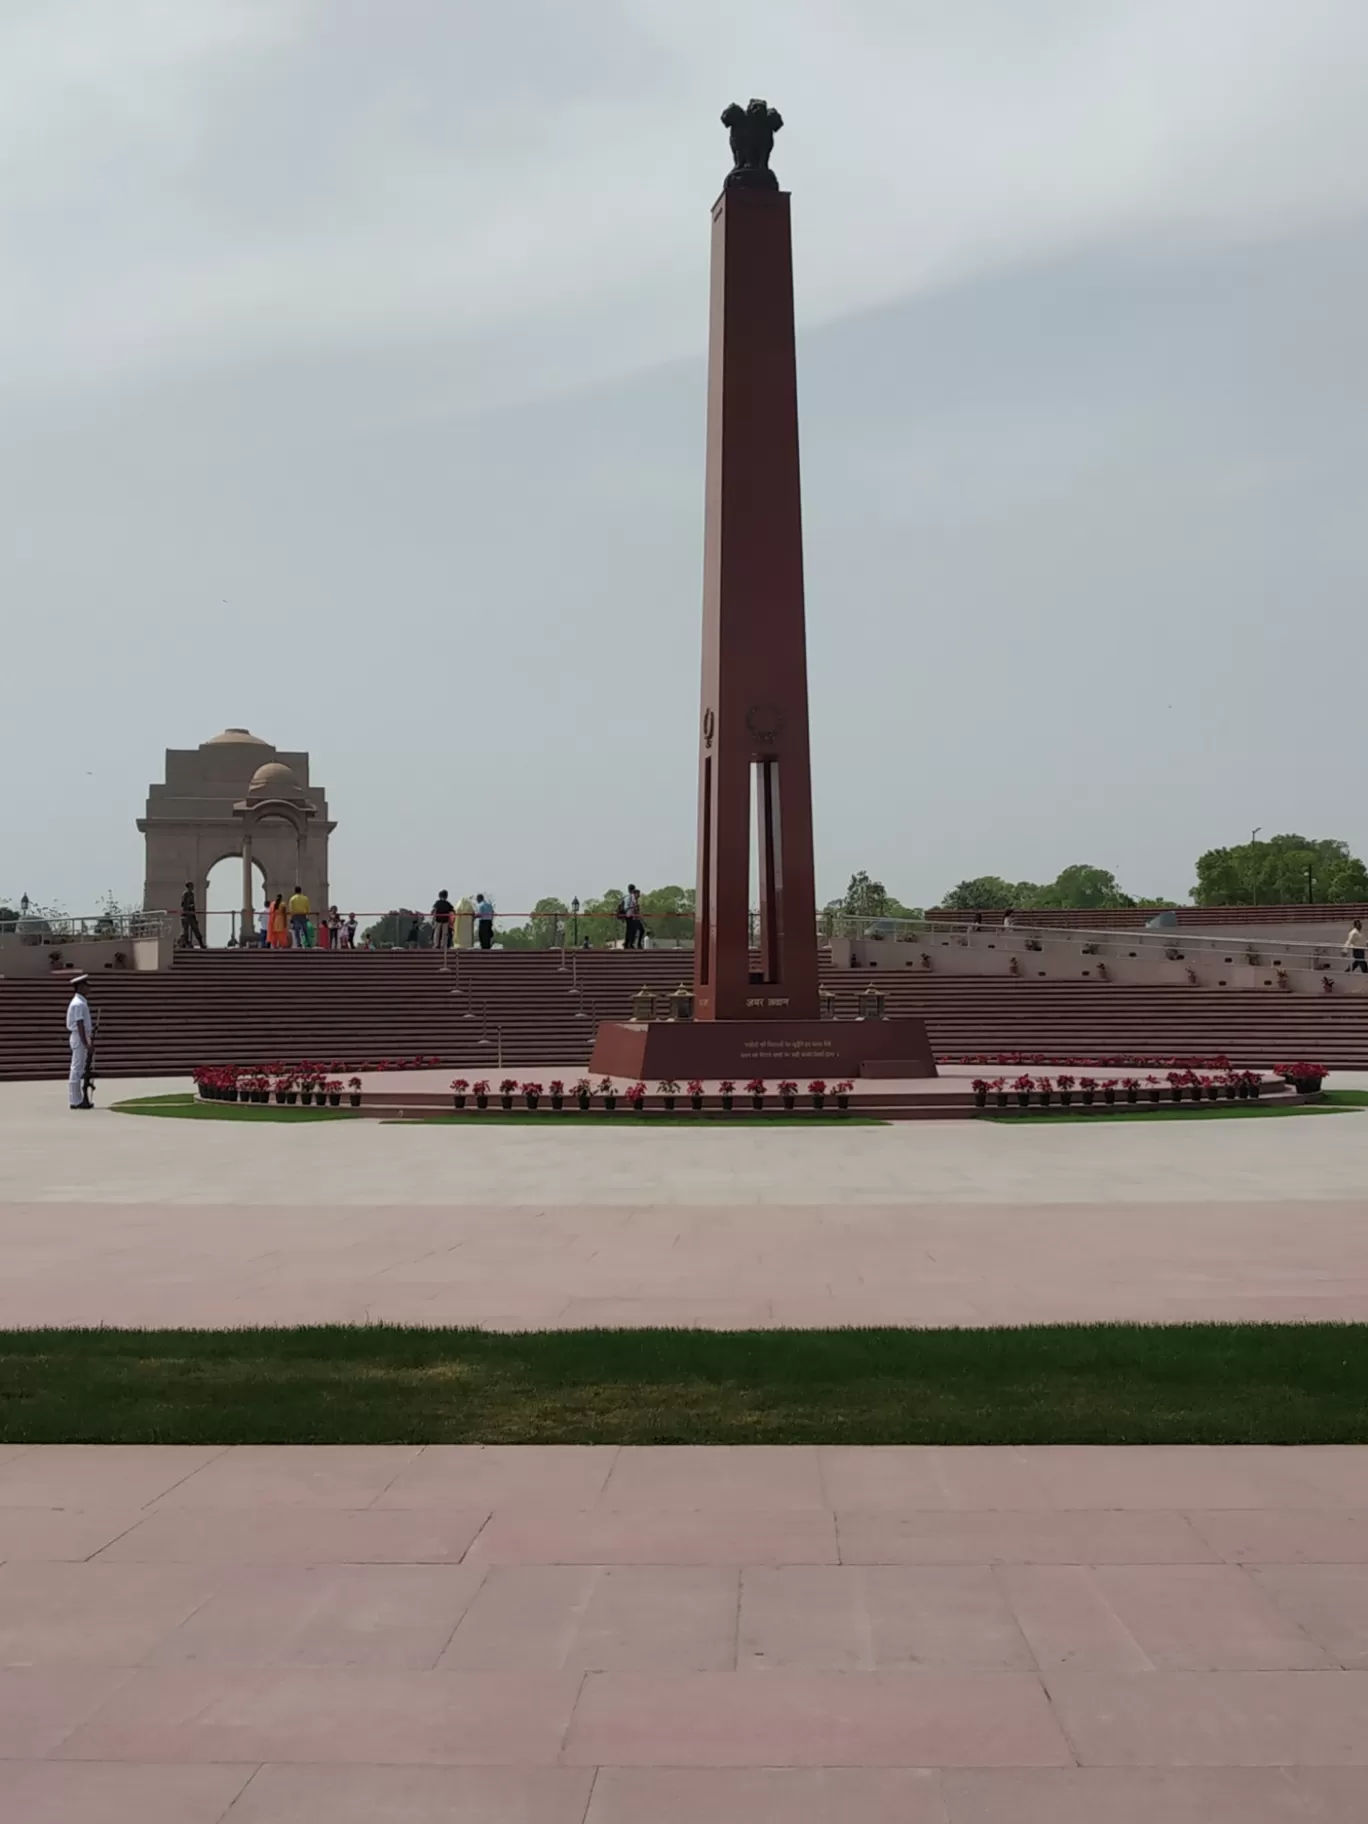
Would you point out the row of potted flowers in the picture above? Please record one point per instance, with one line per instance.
(232, 1083)
(1199, 1086)
(583, 1093)
(1126, 1061)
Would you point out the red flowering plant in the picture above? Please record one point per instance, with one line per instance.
(788, 1089)
(353, 1083)
(755, 1089)
(584, 1092)
(843, 1089)
(532, 1093)
(635, 1095)
(1303, 1073)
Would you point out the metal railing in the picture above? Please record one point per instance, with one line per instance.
(1174, 945)
(67, 928)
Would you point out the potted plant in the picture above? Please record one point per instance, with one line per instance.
(817, 1089)
(726, 1089)
(354, 1085)
(1176, 1080)
(1023, 1085)
(1304, 1076)
(1065, 1084)
(788, 1091)
(1046, 1088)
(1131, 1085)
(1109, 1091)
(843, 1090)
(584, 1094)
(980, 1088)
(635, 1097)
(999, 1088)
(230, 1088)
(695, 1094)
(481, 1091)
(532, 1094)
(459, 1086)
(755, 1089)
(507, 1089)
(1087, 1087)
(334, 1092)
(667, 1089)
(1207, 1086)
(609, 1094)
(1230, 1083)
(1255, 1084)
(556, 1088)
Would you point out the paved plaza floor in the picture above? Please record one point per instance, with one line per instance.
(604, 1636)
(108, 1218)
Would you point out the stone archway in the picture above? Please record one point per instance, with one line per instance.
(192, 821)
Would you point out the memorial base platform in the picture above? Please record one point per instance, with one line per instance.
(664, 1050)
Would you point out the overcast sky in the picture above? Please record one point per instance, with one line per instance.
(351, 389)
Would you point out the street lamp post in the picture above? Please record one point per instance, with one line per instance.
(1254, 865)
(574, 924)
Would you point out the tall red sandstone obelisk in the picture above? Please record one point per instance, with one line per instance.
(759, 1011)
(753, 736)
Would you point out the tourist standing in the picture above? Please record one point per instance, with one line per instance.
(634, 938)
(278, 926)
(1354, 944)
(350, 930)
(190, 925)
(1009, 919)
(484, 921)
(81, 1034)
(299, 919)
(443, 919)
(263, 923)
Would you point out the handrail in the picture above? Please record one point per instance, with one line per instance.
(1178, 938)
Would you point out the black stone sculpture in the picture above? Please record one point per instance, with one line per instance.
(752, 131)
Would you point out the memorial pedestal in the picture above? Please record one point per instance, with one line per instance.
(678, 1050)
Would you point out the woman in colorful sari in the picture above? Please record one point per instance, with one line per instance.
(278, 925)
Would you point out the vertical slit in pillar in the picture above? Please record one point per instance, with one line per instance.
(770, 845)
(703, 911)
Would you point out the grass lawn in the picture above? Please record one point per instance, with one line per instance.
(186, 1106)
(1332, 1102)
(1095, 1384)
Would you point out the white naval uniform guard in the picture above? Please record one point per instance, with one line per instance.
(81, 1032)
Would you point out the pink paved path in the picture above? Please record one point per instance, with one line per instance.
(555, 1636)
(106, 1218)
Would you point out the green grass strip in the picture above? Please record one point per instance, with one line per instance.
(1095, 1384)
(190, 1108)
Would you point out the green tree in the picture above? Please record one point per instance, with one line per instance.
(1080, 884)
(987, 893)
(1285, 870)
(393, 931)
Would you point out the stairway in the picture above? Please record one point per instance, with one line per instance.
(533, 1008)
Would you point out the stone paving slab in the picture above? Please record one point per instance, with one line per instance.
(107, 1219)
(1077, 1639)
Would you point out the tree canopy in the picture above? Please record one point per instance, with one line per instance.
(1284, 870)
(1080, 884)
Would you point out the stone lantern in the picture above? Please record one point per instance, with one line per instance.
(643, 1006)
(872, 1004)
(682, 1003)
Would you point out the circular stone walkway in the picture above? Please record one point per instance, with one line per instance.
(457, 1635)
(105, 1218)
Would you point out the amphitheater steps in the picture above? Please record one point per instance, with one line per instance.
(224, 1006)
